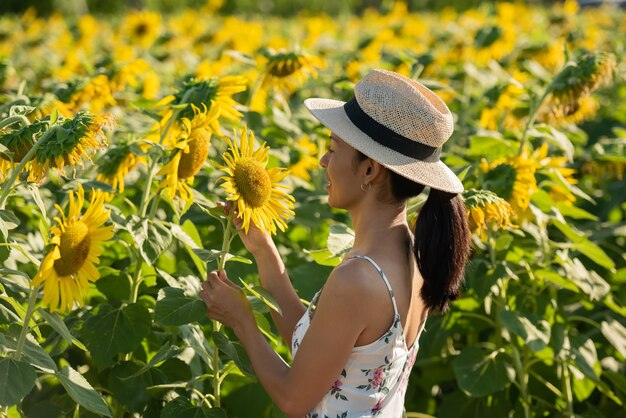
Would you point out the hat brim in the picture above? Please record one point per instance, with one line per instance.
(437, 175)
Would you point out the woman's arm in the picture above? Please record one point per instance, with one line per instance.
(275, 280)
(339, 319)
(273, 276)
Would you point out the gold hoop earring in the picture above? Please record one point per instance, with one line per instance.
(366, 187)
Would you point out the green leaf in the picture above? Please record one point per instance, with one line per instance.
(340, 239)
(234, 351)
(165, 352)
(595, 253)
(586, 356)
(590, 282)
(113, 331)
(557, 279)
(324, 257)
(17, 379)
(32, 352)
(174, 308)
(191, 234)
(19, 309)
(152, 238)
(210, 255)
(480, 373)
(491, 147)
(128, 388)
(574, 212)
(82, 392)
(8, 221)
(616, 334)
(262, 294)
(56, 322)
(535, 332)
(181, 407)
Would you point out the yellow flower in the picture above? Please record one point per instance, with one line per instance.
(71, 263)
(95, 95)
(190, 151)
(578, 79)
(117, 162)
(73, 140)
(18, 142)
(141, 28)
(513, 179)
(486, 211)
(307, 159)
(287, 70)
(253, 188)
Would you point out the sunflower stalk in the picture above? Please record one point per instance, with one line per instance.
(229, 232)
(32, 300)
(13, 119)
(531, 119)
(8, 185)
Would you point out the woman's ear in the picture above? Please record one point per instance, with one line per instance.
(373, 170)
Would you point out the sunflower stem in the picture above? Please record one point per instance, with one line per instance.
(8, 185)
(221, 262)
(531, 120)
(228, 231)
(14, 119)
(32, 300)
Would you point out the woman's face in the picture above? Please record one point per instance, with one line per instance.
(343, 182)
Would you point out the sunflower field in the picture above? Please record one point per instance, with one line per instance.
(120, 136)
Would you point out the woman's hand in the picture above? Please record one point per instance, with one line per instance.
(225, 301)
(255, 240)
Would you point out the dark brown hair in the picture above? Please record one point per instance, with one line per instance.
(442, 239)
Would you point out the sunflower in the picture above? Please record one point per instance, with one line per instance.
(76, 245)
(95, 95)
(141, 28)
(215, 92)
(577, 80)
(117, 162)
(253, 188)
(18, 142)
(73, 140)
(287, 70)
(486, 211)
(512, 178)
(190, 151)
(307, 159)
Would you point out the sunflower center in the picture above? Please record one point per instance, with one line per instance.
(74, 248)
(253, 182)
(285, 67)
(191, 162)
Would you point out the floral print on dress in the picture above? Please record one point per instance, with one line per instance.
(375, 378)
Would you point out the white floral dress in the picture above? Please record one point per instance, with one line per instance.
(374, 381)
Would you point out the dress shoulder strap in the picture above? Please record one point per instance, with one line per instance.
(380, 271)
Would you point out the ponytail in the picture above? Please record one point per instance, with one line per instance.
(442, 239)
(442, 246)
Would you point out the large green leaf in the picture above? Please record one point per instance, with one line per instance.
(583, 245)
(165, 352)
(324, 257)
(234, 351)
(262, 295)
(115, 330)
(480, 373)
(82, 392)
(174, 308)
(153, 238)
(491, 147)
(340, 240)
(32, 353)
(56, 322)
(534, 331)
(128, 387)
(616, 334)
(17, 378)
(181, 407)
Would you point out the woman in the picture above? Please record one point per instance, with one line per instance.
(354, 346)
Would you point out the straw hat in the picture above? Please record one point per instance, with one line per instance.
(397, 122)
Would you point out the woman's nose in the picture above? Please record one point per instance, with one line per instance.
(323, 160)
